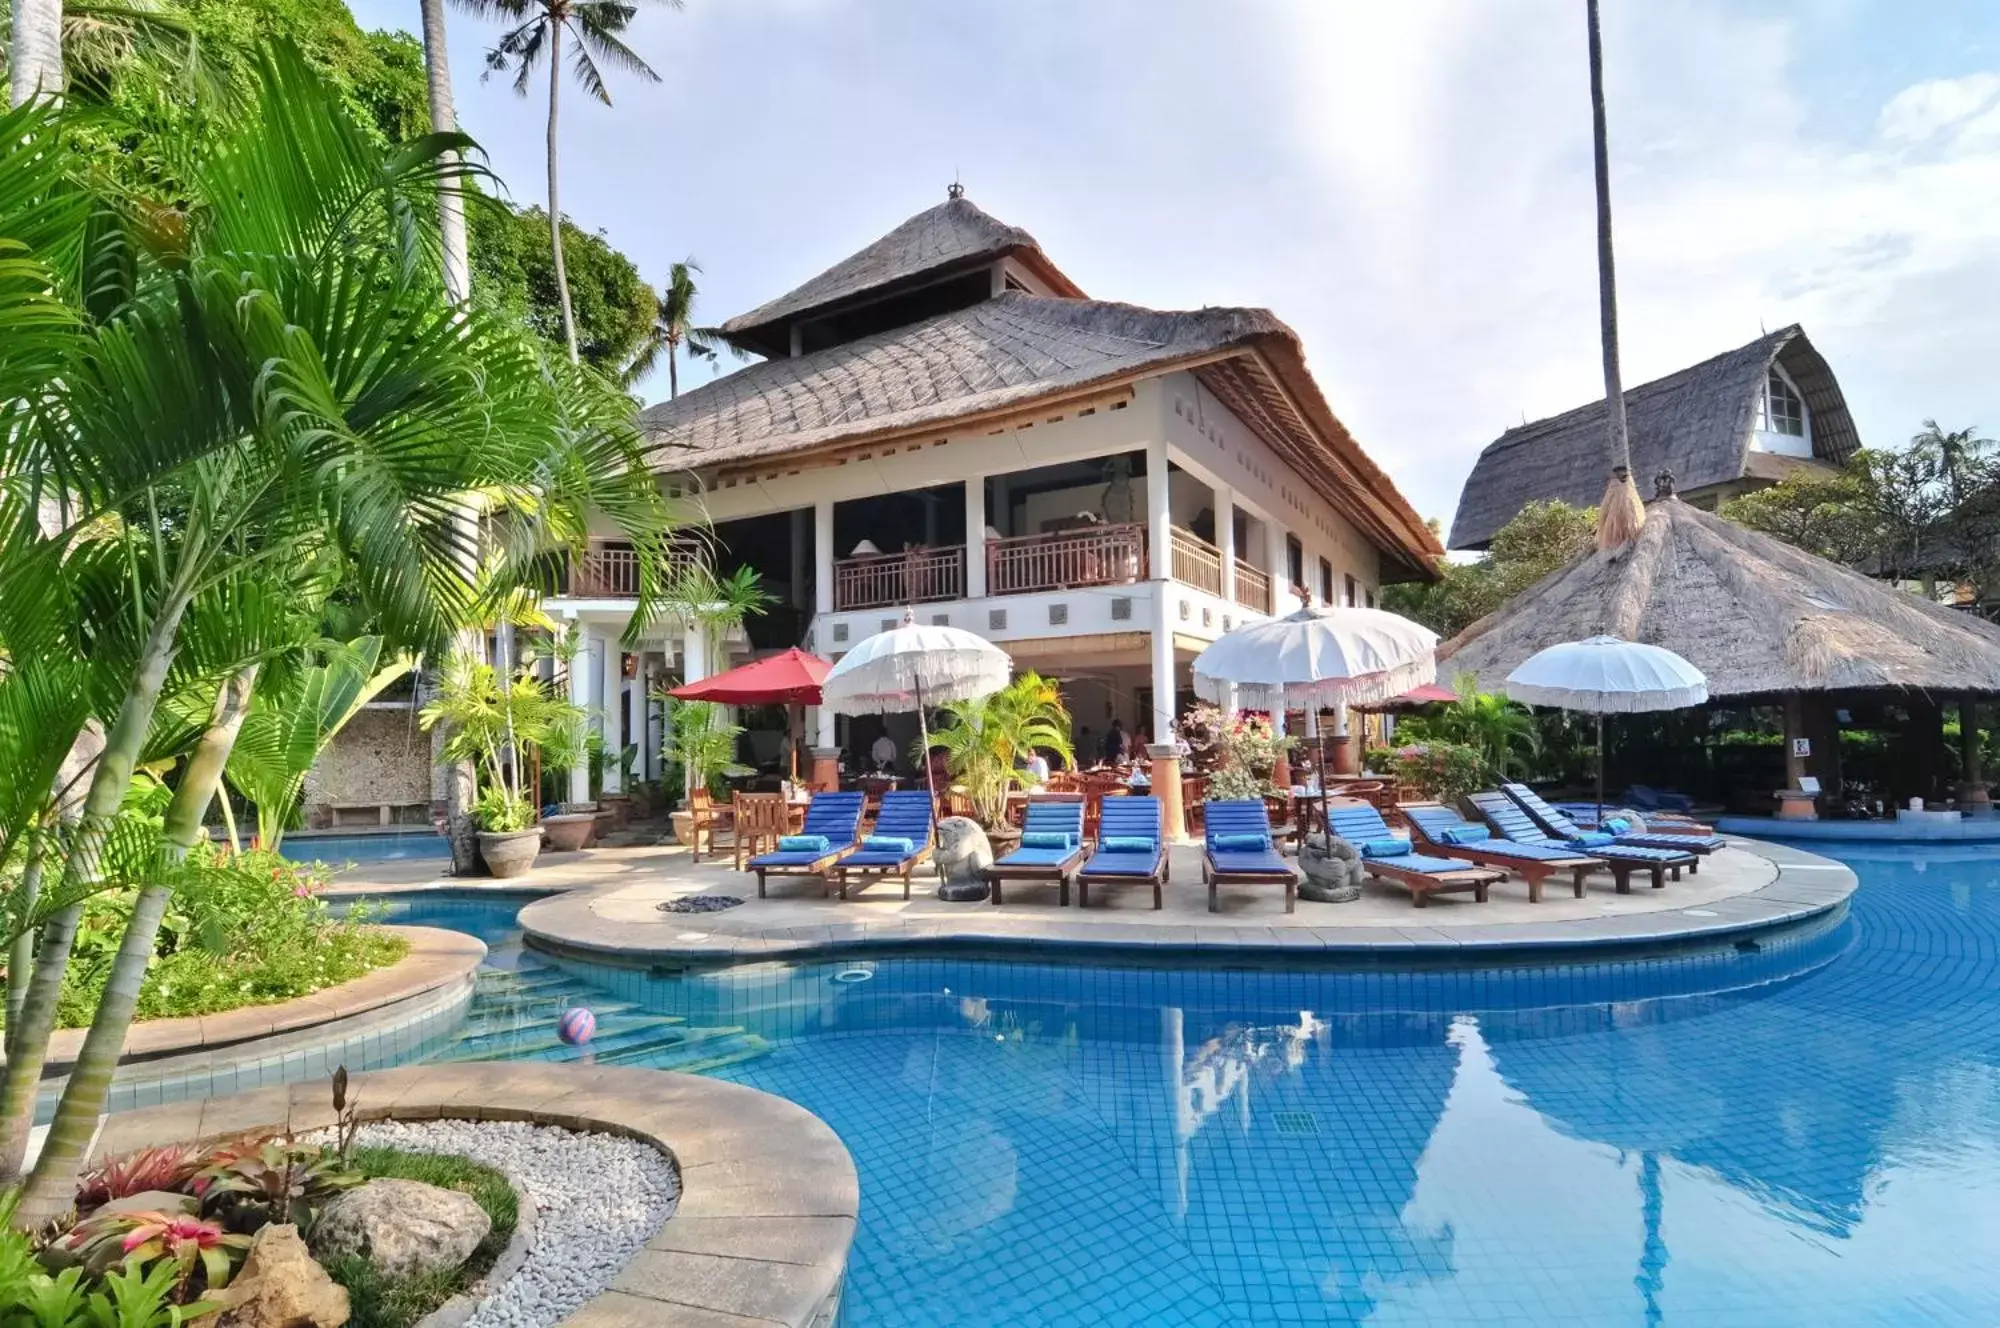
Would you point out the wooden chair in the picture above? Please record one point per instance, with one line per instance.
(762, 819)
(705, 818)
(1194, 792)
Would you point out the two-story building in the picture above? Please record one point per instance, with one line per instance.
(944, 423)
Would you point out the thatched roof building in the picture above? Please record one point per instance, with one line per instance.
(1759, 617)
(1741, 420)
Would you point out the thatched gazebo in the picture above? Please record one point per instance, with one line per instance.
(1765, 621)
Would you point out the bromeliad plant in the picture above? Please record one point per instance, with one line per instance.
(141, 1239)
(253, 1184)
(987, 741)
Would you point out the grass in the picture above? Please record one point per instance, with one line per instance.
(382, 1302)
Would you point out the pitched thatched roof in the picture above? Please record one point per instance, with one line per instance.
(1003, 354)
(1696, 423)
(1755, 614)
(953, 236)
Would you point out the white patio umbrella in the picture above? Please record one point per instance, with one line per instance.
(1607, 676)
(1316, 658)
(912, 667)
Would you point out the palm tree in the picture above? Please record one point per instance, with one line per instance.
(1957, 456)
(673, 330)
(986, 740)
(35, 57)
(1621, 513)
(539, 26)
(444, 120)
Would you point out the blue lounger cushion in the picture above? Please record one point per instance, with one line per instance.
(888, 844)
(1591, 839)
(1036, 857)
(784, 859)
(1047, 839)
(1107, 863)
(1228, 863)
(805, 844)
(1130, 843)
(1417, 862)
(1385, 848)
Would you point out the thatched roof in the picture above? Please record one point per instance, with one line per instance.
(1696, 423)
(954, 236)
(1007, 353)
(1753, 613)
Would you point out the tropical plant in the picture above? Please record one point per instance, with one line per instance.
(488, 716)
(259, 1181)
(539, 26)
(1439, 771)
(210, 402)
(140, 1238)
(161, 1168)
(674, 330)
(715, 604)
(986, 741)
(702, 741)
(1241, 751)
(1503, 732)
(285, 732)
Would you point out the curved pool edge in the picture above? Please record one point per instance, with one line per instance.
(1806, 886)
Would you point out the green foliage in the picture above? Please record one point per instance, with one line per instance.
(379, 1302)
(702, 741)
(1542, 538)
(1440, 771)
(986, 741)
(253, 931)
(166, 1167)
(486, 714)
(1503, 732)
(1241, 751)
(200, 1253)
(673, 331)
(513, 271)
(258, 1182)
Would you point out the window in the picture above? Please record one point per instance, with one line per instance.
(1353, 593)
(1783, 411)
(1325, 581)
(1295, 560)
(1371, 599)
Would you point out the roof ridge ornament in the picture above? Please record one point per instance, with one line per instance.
(954, 191)
(1663, 485)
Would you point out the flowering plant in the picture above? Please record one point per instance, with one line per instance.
(1442, 771)
(1242, 751)
(132, 1238)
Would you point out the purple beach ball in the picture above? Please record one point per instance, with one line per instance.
(577, 1026)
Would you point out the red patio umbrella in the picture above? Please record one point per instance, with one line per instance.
(790, 679)
(1428, 694)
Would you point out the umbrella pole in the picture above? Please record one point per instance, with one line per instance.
(1600, 771)
(924, 728)
(794, 720)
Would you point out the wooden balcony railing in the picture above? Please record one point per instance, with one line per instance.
(882, 579)
(1253, 588)
(1197, 562)
(1090, 556)
(611, 571)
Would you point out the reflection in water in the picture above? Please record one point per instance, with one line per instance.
(1806, 1135)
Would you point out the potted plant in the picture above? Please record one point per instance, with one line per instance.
(574, 824)
(988, 741)
(487, 717)
(702, 742)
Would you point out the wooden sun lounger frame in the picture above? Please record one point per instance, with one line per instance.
(822, 867)
(1621, 869)
(1532, 870)
(1158, 880)
(1422, 885)
(1215, 879)
(860, 878)
(1039, 873)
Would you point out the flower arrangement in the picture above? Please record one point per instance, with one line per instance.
(1241, 751)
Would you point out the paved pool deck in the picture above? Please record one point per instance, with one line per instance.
(606, 903)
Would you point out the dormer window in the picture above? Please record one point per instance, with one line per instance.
(1783, 411)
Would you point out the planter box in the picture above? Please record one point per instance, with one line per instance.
(511, 853)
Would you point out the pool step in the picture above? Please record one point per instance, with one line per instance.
(539, 1040)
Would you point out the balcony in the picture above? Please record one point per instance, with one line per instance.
(1197, 563)
(1253, 588)
(1088, 556)
(882, 580)
(607, 570)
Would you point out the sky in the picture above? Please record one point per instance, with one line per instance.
(1406, 183)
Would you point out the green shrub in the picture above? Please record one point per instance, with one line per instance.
(1442, 771)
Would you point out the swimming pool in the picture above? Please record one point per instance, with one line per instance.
(1807, 1132)
(367, 846)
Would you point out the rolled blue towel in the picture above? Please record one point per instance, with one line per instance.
(1385, 848)
(1129, 844)
(1047, 839)
(804, 844)
(1591, 839)
(889, 844)
(1250, 842)
(1618, 825)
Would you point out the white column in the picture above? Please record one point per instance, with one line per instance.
(1159, 510)
(975, 537)
(611, 695)
(1159, 539)
(1225, 539)
(579, 696)
(694, 653)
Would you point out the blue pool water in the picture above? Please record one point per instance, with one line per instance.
(371, 846)
(1805, 1133)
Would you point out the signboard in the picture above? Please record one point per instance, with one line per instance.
(1801, 746)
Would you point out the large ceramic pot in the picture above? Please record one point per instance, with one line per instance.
(569, 831)
(512, 852)
(683, 823)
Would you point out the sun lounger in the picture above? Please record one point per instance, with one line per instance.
(1510, 822)
(1437, 830)
(1550, 819)
(1387, 857)
(1653, 823)
(835, 819)
(1131, 849)
(1238, 850)
(1048, 818)
(902, 838)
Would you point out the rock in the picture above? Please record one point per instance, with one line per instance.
(404, 1227)
(279, 1286)
(1332, 871)
(963, 855)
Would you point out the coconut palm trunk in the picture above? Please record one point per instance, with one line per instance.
(555, 207)
(444, 120)
(1621, 513)
(89, 1084)
(29, 1046)
(35, 64)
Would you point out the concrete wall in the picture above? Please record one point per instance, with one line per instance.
(381, 756)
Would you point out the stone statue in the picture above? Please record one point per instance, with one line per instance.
(963, 855)
(1332, 870)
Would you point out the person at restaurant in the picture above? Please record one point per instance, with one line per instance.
(883, 753)
(1038, 767)
(1114, 743)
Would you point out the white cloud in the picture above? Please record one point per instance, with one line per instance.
(1926, 109)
